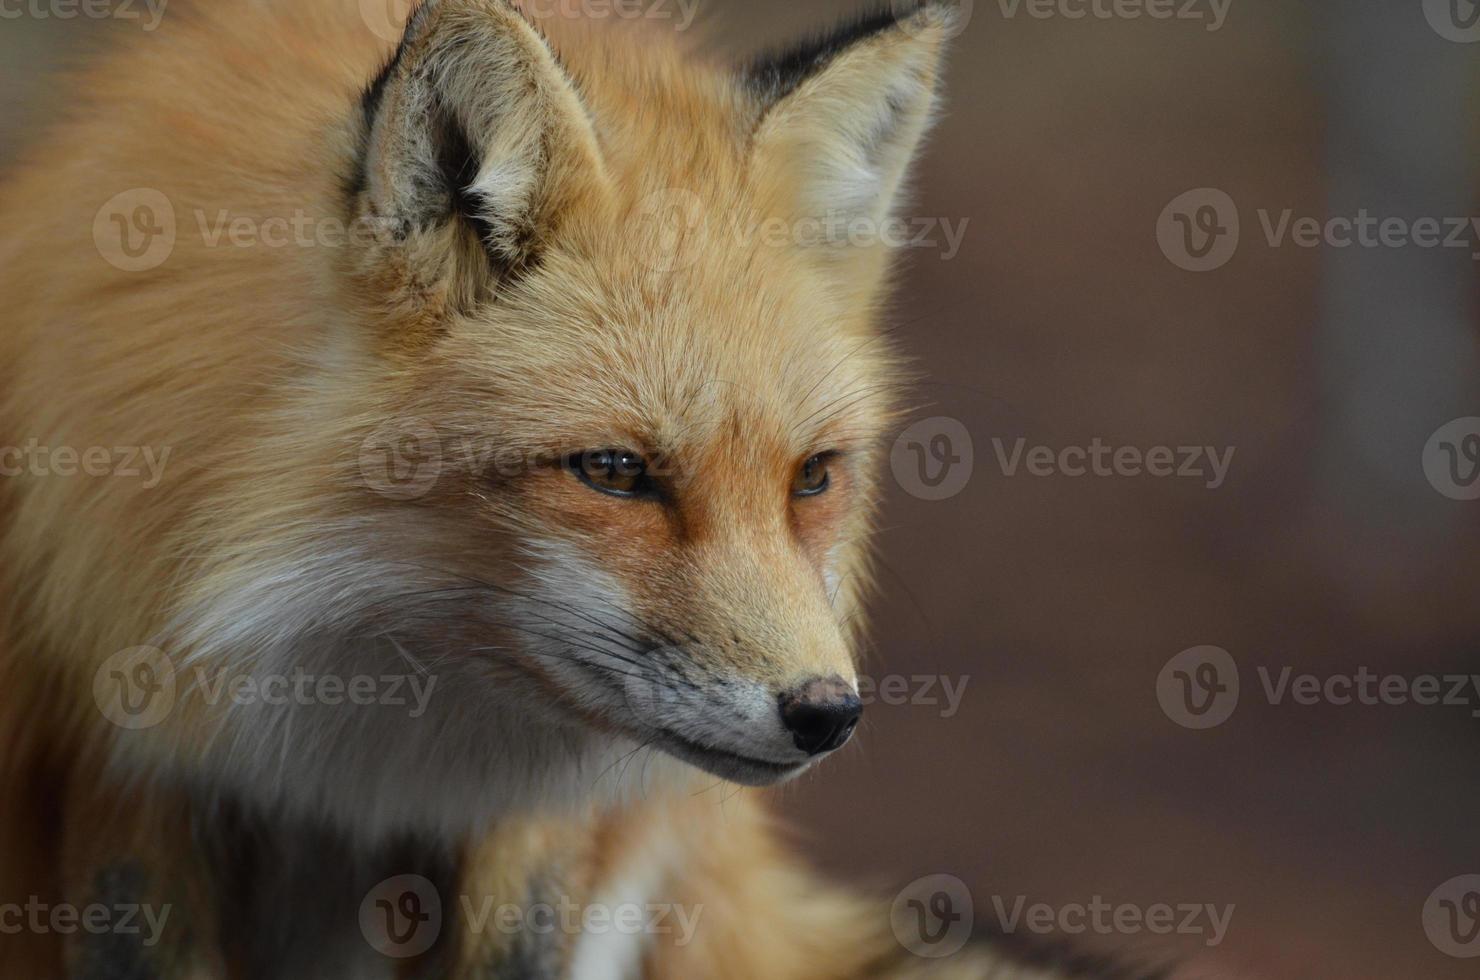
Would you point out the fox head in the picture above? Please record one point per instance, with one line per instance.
(597, 442)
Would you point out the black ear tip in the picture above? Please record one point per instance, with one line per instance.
(416, 21)
(946, 13)
(919, 16)
(775, 75)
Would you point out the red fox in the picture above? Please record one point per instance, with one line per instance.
(505, 403)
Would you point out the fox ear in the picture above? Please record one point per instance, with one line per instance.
(474, 144)
(841, 117)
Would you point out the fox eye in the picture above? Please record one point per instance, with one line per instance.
(619, 472)
(811, 478)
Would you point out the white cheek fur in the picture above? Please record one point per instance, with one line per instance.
(449, 749)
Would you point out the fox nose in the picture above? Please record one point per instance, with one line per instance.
(821, 714)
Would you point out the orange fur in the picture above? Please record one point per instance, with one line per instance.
(565, 315)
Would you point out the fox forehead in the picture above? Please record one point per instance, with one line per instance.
(575, 356)
(665, 262)
(661, 401)
(673, 305)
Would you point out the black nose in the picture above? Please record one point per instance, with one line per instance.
(821, 714)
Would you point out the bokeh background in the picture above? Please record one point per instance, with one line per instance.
(1057, 601)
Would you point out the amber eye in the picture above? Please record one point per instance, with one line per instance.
(811, 478)
(619, 472)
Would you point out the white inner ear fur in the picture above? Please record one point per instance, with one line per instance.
(489, 73)
(854, 127)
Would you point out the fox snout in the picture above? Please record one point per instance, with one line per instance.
(770, 678)
(735, 713)
(739, 729)
(821, 714)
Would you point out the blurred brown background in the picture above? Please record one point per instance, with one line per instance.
(1058, 600)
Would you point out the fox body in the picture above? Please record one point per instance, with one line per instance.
(493, 526)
